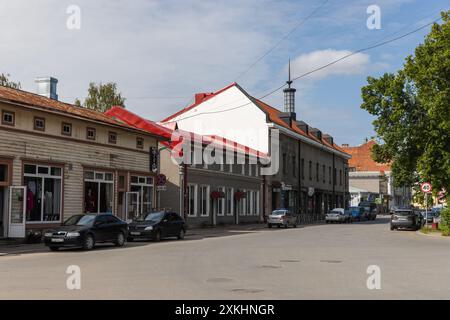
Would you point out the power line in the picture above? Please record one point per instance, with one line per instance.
(282, 39)
(375, 45)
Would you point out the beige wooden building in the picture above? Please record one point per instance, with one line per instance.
(57, 160)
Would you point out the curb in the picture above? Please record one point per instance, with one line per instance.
(439, 236)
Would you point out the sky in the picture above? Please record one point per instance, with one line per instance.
(160, 53)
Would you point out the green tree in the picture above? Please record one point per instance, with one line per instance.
(101, 97)
(412, 110)
(5, 82)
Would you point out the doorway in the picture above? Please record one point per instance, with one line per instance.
(2, 212)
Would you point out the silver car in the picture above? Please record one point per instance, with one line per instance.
(339, 215)
(282, 217)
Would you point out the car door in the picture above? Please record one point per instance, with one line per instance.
(112, 228)
(172, 225)
(100, 228)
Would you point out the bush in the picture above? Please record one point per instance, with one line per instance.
(445, 222)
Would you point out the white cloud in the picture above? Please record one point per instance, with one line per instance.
(355, 64)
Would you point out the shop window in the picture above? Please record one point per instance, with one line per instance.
(39, 124)
(192, 200)
(98, 192)
(112, 137)
(229, 201)
(90, 133)
(143, 186)
(8, 118)
(221, 202)
(44, 193)
(66, 129)
(140, 143)
(4, 174)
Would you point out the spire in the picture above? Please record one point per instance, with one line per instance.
(289, 94)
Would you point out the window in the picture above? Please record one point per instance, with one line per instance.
(255, 203)
(329, 175)
(144, 187)
(44, 193)
(302, 168)
(221, 202)
(243, 203)
(243, 169)
(8, 118)
(98, 192)
(294, 166)
(284, 163)
(112, 137)
(5, 174)
(248, 203)
(323, 174)
(140, 143)
(334, 176)
(66, 129)
(229, 201)
(310, 170)
(340, 177)
(39, 124)
(192, 200)
(250, 171)
(204, 201)
(317, 172)
(90, 133)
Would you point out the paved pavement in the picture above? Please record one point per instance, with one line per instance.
(313, 262)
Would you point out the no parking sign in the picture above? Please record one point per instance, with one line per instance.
(426, 187)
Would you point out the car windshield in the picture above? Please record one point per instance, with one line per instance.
(278, 212)
(154, 216)
(80, 220)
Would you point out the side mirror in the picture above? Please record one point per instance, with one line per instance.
(97, 223)
(165, 220)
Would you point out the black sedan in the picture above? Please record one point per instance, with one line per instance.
(157, 225)
(85, 230)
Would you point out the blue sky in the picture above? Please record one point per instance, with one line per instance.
(161, 53)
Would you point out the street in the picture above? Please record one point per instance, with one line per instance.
(311, 262)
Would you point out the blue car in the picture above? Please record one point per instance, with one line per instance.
(357, 213)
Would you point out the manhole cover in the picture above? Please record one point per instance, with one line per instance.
(289, 260)
(331, 261)
(242, 290)
(269, 267)
(219, 280)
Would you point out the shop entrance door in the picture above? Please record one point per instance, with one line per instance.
(17, 205)
(132, 207)
(2, 212)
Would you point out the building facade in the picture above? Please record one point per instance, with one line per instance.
(372, 181)
(57, 160)
(310, 172)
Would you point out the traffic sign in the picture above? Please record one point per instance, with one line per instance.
(426, 187)
(161, 179)
(441, 197)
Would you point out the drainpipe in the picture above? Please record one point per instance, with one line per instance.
(299, 173)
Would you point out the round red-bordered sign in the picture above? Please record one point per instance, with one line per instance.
(426, 187)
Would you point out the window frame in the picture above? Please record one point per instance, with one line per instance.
(207, 194)
(63, 124)
(13, 114)
(231, 212)
(94, 130)
(99, 182)
(35, 127)
(110, 135)
(195, 212)
(138, 145)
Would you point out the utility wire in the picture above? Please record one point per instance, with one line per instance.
(375, 45)
(282, 39)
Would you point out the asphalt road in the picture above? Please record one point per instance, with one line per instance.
(313, 262)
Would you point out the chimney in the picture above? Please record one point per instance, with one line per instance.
(46, 86)
(345, 145)
(289, 96)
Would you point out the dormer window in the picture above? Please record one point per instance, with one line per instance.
(90, 133)
(112, 137)
(8, 118)
(39, 124)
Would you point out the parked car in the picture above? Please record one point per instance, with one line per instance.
(431, 216)
(85, 230)
(370, 210)
(339, 215)
(405, 218)
(282, 217)
(356, 213)
(156, 226)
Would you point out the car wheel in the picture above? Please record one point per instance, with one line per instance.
(120, 241)
(181, 234)
(54, 248)
(269, 225)
(392, 228)
(88, 242)
(295, 225)
(157, 236)
(286, 225)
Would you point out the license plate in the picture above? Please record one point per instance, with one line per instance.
(135, 233)
(57, 240)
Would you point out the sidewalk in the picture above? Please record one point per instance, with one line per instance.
(8, 247)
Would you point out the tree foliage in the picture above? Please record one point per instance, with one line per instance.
(412, 110)
(6, 82)
(101, 97)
